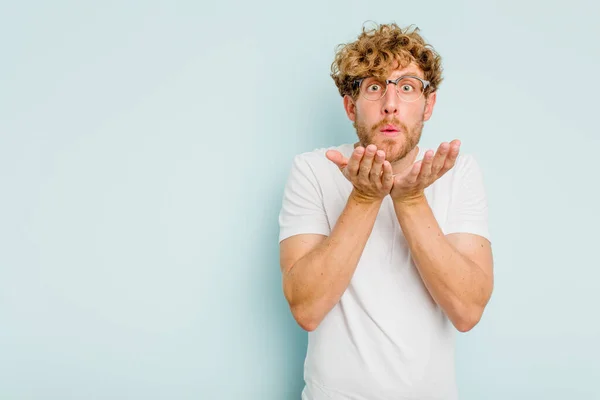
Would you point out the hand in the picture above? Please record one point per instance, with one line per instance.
(410, 184)
(368, 171)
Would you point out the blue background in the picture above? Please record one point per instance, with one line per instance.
(143, 152)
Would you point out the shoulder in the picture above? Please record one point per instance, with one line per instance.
(465, 174)
(464, 180)
(318, 154)
(317, 161)
(465, 165)
(467, 161)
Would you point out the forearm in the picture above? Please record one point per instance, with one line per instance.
(458, 285)
(316, 282)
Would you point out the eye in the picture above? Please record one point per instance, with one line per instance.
(374, 88)
(406, 88)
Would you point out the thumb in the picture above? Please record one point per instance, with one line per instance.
(337, 158)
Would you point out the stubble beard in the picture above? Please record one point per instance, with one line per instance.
(395, 148)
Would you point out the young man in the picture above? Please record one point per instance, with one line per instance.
(385, 250)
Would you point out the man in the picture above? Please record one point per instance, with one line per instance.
(385, 250)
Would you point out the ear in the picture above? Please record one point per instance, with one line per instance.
(350, 107)
(429, 104)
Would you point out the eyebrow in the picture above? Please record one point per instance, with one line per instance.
(407, 73)
(410, 73)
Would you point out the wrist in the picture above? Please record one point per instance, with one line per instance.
(359, 198)
(408, 202)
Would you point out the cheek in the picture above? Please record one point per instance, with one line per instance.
(368, 115)
(412, 113)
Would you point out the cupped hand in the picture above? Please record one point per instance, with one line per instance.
(410, 184)
(368, 171)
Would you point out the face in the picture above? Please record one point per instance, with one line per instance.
(393, 125)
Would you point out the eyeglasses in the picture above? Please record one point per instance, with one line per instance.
(409, 88)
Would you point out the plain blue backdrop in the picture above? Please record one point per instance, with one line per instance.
(143, 151)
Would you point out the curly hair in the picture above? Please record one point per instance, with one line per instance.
(374, 53)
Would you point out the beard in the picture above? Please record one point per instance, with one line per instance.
(395, 148)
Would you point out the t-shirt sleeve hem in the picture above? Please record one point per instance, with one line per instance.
(465, 227)
(298, 230)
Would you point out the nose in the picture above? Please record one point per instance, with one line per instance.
(390, 101)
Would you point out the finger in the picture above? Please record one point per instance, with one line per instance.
(452, 155)
(387, 180)
(337, 158)
(426, 165)
(377, 168)
(354, 161)
(414, 172)
(440, 158)
(410, 175)
(367, 162)
(454, 150)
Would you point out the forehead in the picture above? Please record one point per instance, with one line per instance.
(396, 70)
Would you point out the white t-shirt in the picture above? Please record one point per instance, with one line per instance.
(386, 338)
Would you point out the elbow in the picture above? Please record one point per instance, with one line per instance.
(464, 326)
(303, 312)
(468, 319)
(304, 318)
(308, 326)
(468, 314)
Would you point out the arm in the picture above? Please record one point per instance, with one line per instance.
(456, 269)
(317, 269)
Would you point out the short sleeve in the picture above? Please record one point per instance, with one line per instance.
(302, 208)
(468, 210)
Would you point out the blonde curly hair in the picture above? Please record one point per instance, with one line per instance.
(374, 53)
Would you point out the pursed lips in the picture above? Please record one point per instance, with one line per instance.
(390, 130)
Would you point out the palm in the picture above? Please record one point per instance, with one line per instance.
(367, 170)
(412, 181)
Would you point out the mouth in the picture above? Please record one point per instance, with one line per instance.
(390, 130)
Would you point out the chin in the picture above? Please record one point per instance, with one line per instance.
(396, 150)
(393, 147)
